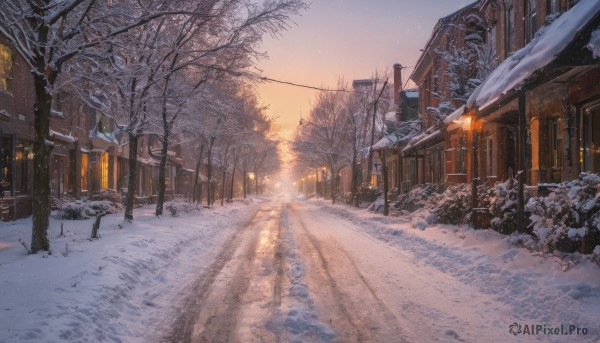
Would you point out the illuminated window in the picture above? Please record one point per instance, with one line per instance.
(84, 171)
(6, 68)
(104, 171)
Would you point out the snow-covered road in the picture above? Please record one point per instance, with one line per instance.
(287, 270)
(310, 272)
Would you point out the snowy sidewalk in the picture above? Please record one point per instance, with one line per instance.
(467, 277)
(118, 288)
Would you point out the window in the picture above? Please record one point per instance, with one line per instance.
(84, 171)
(491, 158)
(6, 68)
(459, 154)
(509, 33)
(492, 38)
(552, 7)
(57, 102)
(23, 166)
(591, 139)
(104, 171)
(6, 157)
(531, 25)
(555, 142)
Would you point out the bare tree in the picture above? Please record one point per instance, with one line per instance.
(48, 34)
(322, 138)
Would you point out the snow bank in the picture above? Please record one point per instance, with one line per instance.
(113, 289)
(535, 287)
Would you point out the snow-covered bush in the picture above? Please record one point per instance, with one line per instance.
(568, 219)
(80, 209)
(454, 205)
(421, 197)
(368, 194)
(503, 206)
(108, 195)
(177, 207)
(345, 197)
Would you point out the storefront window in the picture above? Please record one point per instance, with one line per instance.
(6, 156)
(591, 140)
(23, 167)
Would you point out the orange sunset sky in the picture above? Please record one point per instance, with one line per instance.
(346, 39)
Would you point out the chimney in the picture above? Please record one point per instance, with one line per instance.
(397, 82)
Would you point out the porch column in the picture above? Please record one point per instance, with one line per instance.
(522, 165)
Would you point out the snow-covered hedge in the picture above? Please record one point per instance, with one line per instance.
(502, 201)
(421, 197)
(177, 206)
(368, 194)
(454, 205)
(568, 219)
(82, 209)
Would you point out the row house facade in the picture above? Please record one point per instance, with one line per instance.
(439, 154)
(89, 156)
(544, 81)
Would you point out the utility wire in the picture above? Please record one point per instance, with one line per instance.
(264, 78)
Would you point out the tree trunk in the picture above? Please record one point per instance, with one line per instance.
(209, 171)
(245, 181)
(386, 210)
(131, 175)
(333, 185)
(160, 195)
(223, 187)
(197, 196)
(232, 182)
(353, 178)
(41, 167)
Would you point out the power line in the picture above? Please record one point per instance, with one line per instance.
(264, 78)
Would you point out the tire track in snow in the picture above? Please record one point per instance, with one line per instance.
(360, 315)
(213, 314)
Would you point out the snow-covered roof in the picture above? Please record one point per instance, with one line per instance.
(404, 131)
(548, 43)
(455, 115)
(60, 136)
(422, 138)
(412, 93)
(148, 161)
